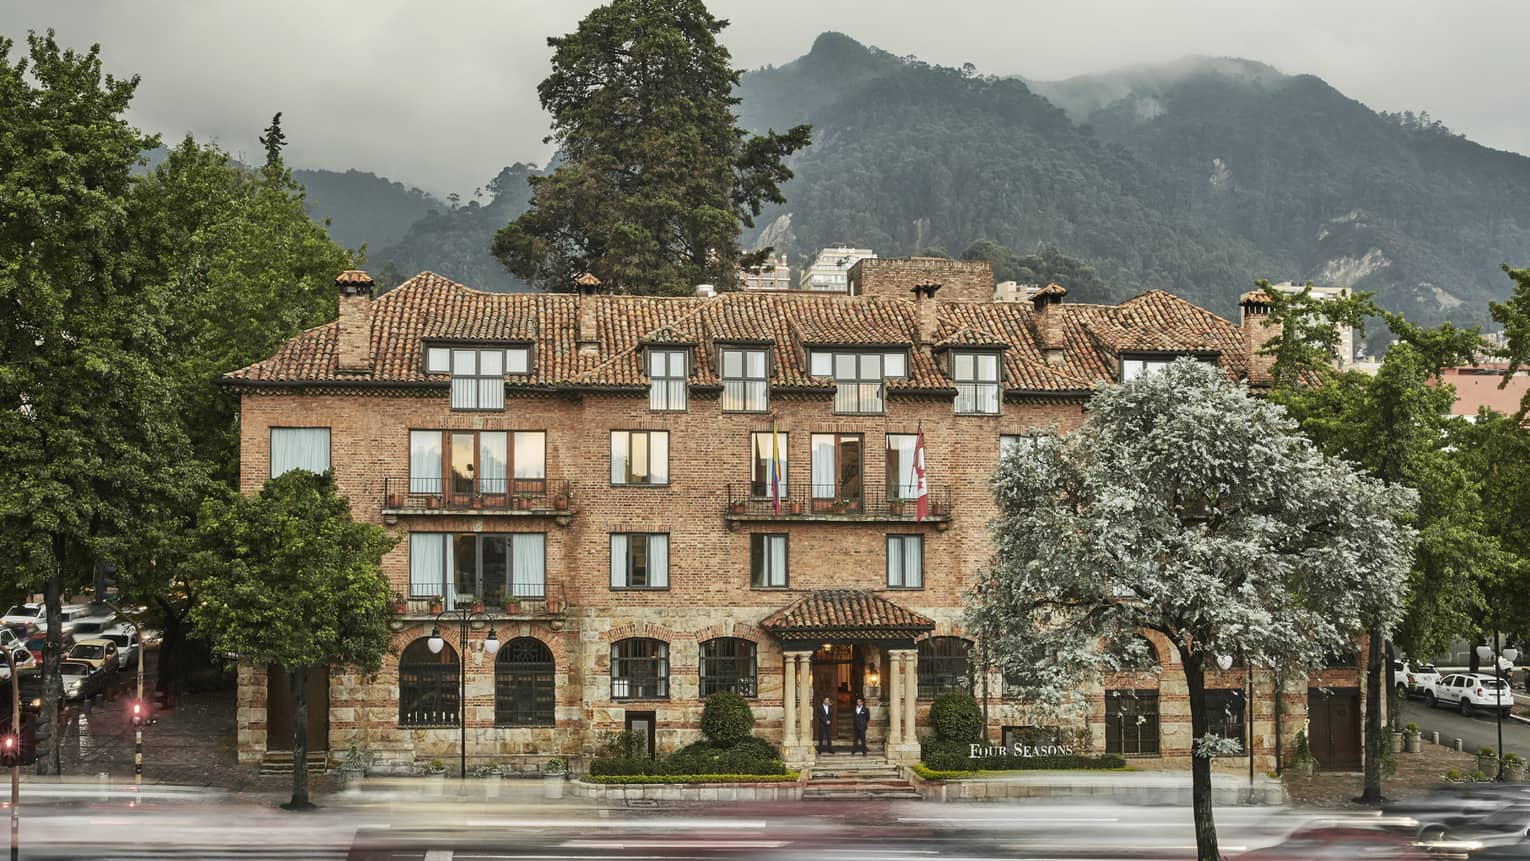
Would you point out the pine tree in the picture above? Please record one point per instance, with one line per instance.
(656, 178)
(273, 140)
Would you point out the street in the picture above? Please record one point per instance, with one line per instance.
(1480, 730)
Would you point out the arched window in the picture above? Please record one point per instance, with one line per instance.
(639, 669)
(523, 684)
(1135, 653)
(429, 686)
(728, 664)
(944, 665)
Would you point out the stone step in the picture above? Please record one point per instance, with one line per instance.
(888, 773)
(850, 794)
(280, 762)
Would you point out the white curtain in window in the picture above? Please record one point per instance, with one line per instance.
(894, 561)
(493, 463)
(427, 563)
(658, 457)
(755, 363)
(530, 454)
(491, 392)
(618, 561)
(517, 361)
(823, 466)
(424, 461)
(619, 442)
(775, 560)
(299, 448)
(900, 448)
(528, 565)
(464, 393)
(658, 561)
(913, 562)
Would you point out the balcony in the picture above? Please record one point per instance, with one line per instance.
(549, 604)
(523, 497)
(872, 506)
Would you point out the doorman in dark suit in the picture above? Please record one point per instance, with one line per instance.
(826, 726)
(862, 720)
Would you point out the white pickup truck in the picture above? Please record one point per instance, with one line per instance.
(1469, 692)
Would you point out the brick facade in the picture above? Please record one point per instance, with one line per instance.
(709, 593)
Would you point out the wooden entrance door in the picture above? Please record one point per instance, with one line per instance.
(1334, 727)
(279, 709)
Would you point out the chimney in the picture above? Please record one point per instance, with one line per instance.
(1254, 307)
(355, 323)
(589, 337)
(706, 291)
(928, 313)
(1048, 322)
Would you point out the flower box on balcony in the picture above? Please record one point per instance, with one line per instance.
(560, 502)
(895, 507)
(795, 506)
(395, 500)
(739, 506)
(523, 502)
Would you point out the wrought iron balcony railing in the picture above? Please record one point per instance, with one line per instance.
(747, 502)
(414, 495)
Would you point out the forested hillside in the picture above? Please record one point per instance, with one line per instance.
(363, 207)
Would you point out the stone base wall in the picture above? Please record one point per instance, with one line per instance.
(1125, 788)
(783, 790)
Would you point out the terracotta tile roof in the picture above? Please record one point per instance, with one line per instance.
(432, 309)
(845, 613)
(1051, 289)
(1254, 297)
(353, 276)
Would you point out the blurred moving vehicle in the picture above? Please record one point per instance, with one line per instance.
(1469, 692)
(1346, 841)
(37, 614)
(94, 626)
(1504, 833)
(37, 643)
(81, 681)
(1414, 679)
(100, 654)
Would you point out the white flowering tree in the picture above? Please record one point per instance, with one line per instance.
(1186, 507)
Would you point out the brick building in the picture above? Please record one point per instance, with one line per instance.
(596, 471)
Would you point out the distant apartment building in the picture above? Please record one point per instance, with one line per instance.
(1346, 346)
(1014, 291)
(830, 270)
(1477, 386)
(773, 274)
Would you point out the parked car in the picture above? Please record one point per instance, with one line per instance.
(37, 614)
(1469, 692)
(81, 681)
(25, 663)
(99, 653)
(1414, 679)
(127, 646)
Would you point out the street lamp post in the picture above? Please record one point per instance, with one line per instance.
(1498, 657)
(15, 681)
(139, 707)
(464, 616)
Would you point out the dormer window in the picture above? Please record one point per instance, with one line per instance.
(668, 373)
(478, 373)
(1133, 367)
(977, 383)
(859, 377)
(746, 380)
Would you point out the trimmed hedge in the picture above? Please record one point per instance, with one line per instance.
(930, 774)
(788, 777)
(950, 756)
(956, 717)
(726, 719)
(750, 756)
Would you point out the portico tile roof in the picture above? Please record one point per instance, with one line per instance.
(845, 613)
(432, 309)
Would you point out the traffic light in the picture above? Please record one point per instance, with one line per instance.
(10, 750)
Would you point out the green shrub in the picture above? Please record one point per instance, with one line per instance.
(1486, 751)
(750, 756)
(746, 759)
(994, 765)
(761, 748)
(623, 745)
(945, 755)
(621, 765)
(1453, 775)
(726, 719)
(957, 717)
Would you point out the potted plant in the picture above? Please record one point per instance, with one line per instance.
(523, 502)
(1302, 761)
(492, 774)
(395, 500)
(1397, 741)
(435, 605)
(1513, 768)
(432, 502)
(477, 606)
(794, 506)
(512, 606)
(552, 603)
(560, 502)
(1487, 760)
(895, 507)
(552, 778)
(737, 506)
(400, 603)
(1412, 738)
(435, 773)
(841, 506)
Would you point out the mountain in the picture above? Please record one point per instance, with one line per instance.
(363, 207)
(1196, 176)
(454, 241)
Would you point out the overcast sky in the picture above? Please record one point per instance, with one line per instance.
(442, 94)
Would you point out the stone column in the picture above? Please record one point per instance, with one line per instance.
(805, 698)
(789, 700)
(911, 688)
(894, 705)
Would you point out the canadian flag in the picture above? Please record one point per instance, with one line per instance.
(921, 486)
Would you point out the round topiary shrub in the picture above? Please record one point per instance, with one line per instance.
(957, 717)
(726, 719)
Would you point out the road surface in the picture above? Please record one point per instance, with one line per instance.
(1480, 730)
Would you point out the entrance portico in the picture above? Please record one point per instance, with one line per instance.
(844, 643)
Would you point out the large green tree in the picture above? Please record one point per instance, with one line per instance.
(1514, 315)
(92, 453)
(1186, 507)
(656, 178)
(1396, 425)
(289, 579)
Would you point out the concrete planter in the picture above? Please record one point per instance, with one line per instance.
(1397, 742)
(552, 786)
(435, 784)
(491, 784)
(353, 779)
(1514, 772)
(1488, 765)
(1413, 742)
